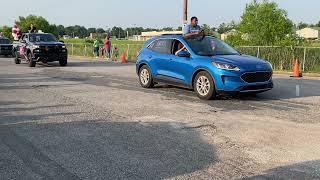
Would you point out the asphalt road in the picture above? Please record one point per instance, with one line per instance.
(92, 120)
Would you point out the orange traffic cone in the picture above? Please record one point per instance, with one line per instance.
(296, 70)
(123, 58)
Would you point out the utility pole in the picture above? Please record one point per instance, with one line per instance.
(185, 12)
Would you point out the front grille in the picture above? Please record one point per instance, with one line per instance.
(51, 49)
(253, 77)
(6, 47)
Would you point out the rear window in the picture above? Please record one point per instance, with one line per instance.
(161, 46)
(5, 41)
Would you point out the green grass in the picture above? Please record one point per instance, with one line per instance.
(114, 41)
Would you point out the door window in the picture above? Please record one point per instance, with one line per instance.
(162, 46)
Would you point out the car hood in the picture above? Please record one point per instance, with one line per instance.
(244, 62)
(49, 43)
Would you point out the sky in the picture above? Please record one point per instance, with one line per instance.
(144, 13)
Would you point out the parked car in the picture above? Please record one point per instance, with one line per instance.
(5, 46)
(36, 47)
(206, 64)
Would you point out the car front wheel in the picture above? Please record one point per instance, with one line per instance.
(16, 58)
(32, 63)
(63, 62)
(145, 77)
(204, 86)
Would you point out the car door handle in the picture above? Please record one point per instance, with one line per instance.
(149, 57)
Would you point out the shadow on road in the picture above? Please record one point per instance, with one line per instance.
(104, 150)
(304, 170)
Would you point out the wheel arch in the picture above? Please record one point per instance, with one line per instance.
(196, 72)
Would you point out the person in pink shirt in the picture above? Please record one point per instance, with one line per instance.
(107, 47)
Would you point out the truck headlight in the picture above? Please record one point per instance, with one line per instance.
(226, 66)
(63, 47)
(35, 46)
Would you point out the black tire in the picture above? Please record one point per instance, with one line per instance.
(204, 86)
(146, 80)
(17, 60)
(31, 62)
(63, 62)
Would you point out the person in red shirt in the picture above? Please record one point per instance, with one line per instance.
(107, 47)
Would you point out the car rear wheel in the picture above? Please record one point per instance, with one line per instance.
(145, 77)
(63, 62)
(16, 58)
(204, 86)
(32, 63)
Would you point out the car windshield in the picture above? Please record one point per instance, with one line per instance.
(5, 41)
(210, 46)
(42, 38)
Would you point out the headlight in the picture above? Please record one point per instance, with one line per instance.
(226, 66)
(35, 46)
(63, 47)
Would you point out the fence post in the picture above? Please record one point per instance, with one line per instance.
(72, 49)
(304, 58)
(128, 50)
(258, 54)
(85, 50)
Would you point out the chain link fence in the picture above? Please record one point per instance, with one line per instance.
(282, 58)
(87, 50)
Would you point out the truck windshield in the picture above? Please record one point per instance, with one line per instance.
(210, 46)
(5, 41)
(42, 38)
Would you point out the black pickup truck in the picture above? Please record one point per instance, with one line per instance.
(40, 47)
(5, 46)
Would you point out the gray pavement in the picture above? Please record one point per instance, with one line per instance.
(92, 120)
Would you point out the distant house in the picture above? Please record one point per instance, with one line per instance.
(147, 35)
(310, 33)
(225, 35)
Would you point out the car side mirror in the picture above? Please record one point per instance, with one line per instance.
(61, 41)
(183, 54)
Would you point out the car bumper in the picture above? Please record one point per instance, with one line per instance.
(231, 82)
(6, 52)
(49, 57)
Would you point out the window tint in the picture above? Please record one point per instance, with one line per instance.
(5, 41)
(162, 46)
(178, 46)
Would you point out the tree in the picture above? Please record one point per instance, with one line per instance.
(207, 29)
(6, 31)
(61, 30)
(318, 24)
(265, 23)
(118, 32)
(223, 28)
(24, 22)
(302, 25)
(100, 30)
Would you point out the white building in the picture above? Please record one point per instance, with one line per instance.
(310, 33)
(147, 35)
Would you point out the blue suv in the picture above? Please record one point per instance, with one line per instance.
(206, 64)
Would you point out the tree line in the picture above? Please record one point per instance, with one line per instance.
(262, 23)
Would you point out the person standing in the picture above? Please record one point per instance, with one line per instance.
(32, 29)
(96, 46)
(107, 47)
(192, 29)
(16, 33)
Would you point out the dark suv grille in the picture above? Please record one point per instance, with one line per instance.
(51, 49)
(253, 77)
